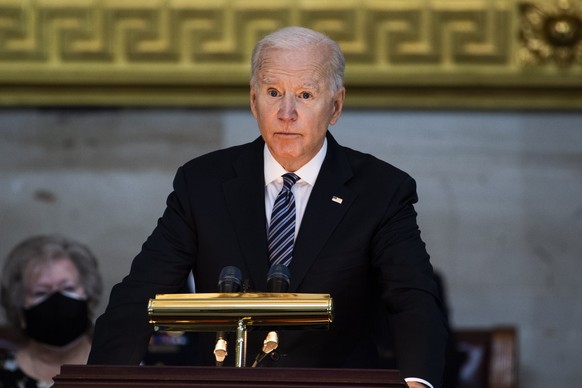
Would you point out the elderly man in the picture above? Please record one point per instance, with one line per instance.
(341, 220)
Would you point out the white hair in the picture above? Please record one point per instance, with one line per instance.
(294, 38)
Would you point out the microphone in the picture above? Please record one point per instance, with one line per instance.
(278, 280)
(228, 281)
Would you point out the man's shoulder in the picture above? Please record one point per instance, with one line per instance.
(363, 163)
(222, 158)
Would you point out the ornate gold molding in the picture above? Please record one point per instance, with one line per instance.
(400, 53)
(551, 33)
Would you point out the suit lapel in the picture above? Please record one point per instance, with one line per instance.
(323, 212)
(245, 199)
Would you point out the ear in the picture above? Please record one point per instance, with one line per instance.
(253, 98)
(338, 105)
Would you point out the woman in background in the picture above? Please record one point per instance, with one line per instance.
(49, 287)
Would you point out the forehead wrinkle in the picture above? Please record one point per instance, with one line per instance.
(311, 75)
(311, 85)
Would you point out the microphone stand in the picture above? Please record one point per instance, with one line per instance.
(229, 281)
(278, 280)
(241, 344)
(269, 344)
(220, 351)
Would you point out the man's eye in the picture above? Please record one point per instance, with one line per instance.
(272, 93)
(305, 95)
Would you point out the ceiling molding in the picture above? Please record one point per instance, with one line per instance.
(432, 53)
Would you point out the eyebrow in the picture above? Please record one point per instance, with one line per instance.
(308, 85)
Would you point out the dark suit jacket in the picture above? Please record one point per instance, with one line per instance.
(366, 252)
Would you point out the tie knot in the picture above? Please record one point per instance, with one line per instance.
(289, 179)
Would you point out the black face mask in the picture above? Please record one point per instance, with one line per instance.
(57, 320)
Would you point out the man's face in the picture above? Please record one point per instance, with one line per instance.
(293, 104)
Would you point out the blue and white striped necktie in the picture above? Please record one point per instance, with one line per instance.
(281, 234)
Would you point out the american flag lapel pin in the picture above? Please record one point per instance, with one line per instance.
(337, 199)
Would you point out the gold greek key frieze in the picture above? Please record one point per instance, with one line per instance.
(182, 52)
(199, 34)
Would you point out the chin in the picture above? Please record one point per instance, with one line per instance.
(286, 151)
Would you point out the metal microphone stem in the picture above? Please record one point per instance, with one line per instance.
(241, 345)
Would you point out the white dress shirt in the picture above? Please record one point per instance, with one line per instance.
(301, 190)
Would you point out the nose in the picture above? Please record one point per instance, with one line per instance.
(287, 108)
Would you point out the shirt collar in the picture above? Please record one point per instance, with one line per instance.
(308, 173)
